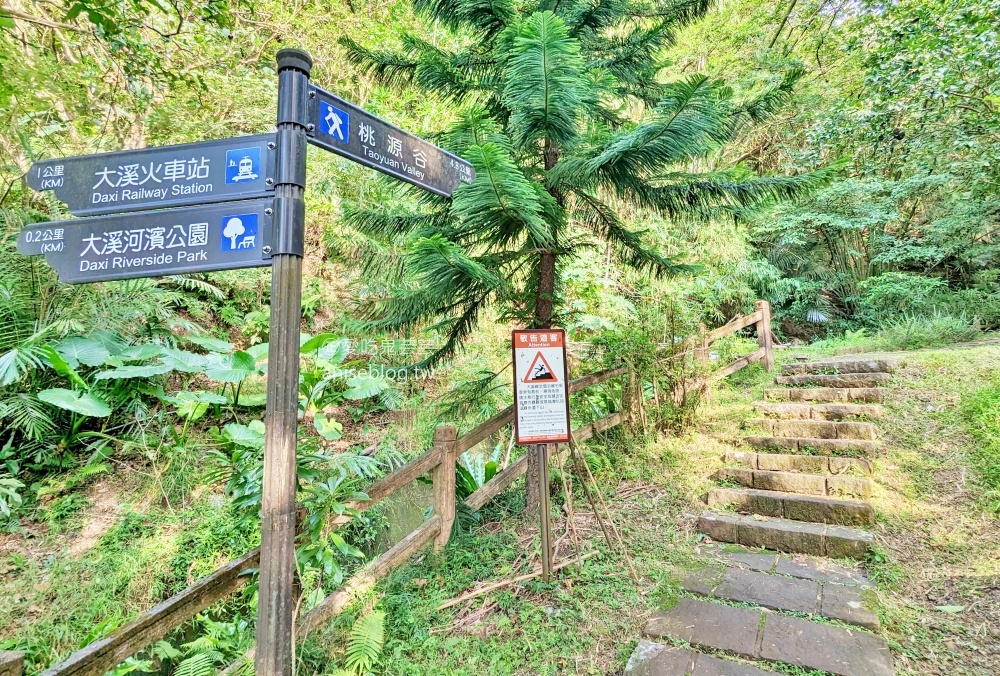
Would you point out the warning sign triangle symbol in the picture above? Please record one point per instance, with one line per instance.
(540, 371)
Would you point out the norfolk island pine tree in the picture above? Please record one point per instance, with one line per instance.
(548, 94)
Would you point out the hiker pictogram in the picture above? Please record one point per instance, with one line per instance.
(540, 371)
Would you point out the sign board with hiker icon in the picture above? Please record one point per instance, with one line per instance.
(541, 392)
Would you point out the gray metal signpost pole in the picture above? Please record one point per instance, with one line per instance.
(277, 558)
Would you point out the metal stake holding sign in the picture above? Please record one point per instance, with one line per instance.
(541, 409)
(234, 228)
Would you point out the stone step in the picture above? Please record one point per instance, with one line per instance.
(786, 536)
(816, 568)
(777, 592)
(857, 395)
(820, 411)
(835, 380)
(794, 482)
(815, 429)
(851, 447)
(658, 659)
(839, 366)
(812, 464)
(797, 507)
(758, 634)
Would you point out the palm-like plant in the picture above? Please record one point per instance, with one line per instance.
(547, 97)
(565, 122)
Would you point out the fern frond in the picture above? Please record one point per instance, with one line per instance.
(364, 645)
(195, 285)
(200, 664)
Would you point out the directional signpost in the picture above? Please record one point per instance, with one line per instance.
(153, 178)
(356, 134)
(167, 242)
(226, 204)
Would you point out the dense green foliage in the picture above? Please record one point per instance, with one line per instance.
(563, 115)
(908, 92)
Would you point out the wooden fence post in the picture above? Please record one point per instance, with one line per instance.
(11, 663)
(701, 352)
(444, 482)
(764, 332)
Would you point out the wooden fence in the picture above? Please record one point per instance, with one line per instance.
(155, 623)
(761, 320)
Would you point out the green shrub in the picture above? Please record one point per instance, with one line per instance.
(895, 293)
(912, 332)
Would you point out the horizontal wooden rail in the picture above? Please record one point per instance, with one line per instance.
(363, 580)
(502, 480)
(735, 366)
(735, 325)
(104, 654)
(389, 484)
(506, 416)
(761, 317)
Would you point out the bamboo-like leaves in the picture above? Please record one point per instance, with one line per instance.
(704, 195)
(691, 121)
(501, 208)
(487, 17)
(628, 245)
(543, 81)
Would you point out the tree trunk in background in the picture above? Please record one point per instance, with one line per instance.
(543, 320)
(544, 303)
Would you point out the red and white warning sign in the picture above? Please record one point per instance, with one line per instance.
(541, 391)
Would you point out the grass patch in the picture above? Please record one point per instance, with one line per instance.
(912, 332)
(981, 410)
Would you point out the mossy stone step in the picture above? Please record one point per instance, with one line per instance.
(820, 569)
(839, 366)
(812, 464)
(797, 507)
(758, 634)
(856, 395)
(816, 429)
(835, 380)
(813, 445)
(795, 482)
(820, 411)
(786, 536)
(657, 659)
(777, 592)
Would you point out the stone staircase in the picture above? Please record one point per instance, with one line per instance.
(787, 508)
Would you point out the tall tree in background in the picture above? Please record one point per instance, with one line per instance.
(566, 122)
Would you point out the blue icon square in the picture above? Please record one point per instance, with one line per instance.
(334, 122)
(243, 165)
(239, 233)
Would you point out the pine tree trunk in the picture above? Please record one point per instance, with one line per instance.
(544, 298)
